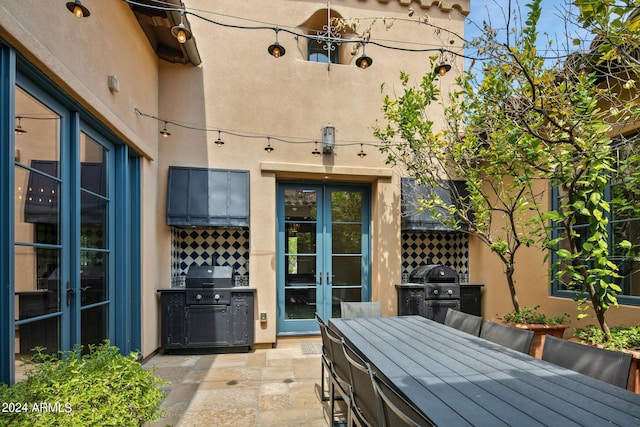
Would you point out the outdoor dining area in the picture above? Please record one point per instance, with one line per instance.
(467, 371)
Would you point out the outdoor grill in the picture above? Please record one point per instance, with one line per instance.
(209, 285)
(440, 290)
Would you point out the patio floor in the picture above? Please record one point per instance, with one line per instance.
(266, 387)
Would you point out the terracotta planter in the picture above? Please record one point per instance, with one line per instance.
(540, 332)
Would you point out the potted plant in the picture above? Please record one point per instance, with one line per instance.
(531, 319)
(623, 338)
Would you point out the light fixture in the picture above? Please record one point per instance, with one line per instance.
(361, 154)
(443, 68)
(219, 142)
(315, 151)
(164, 132)
(181, 32)
(364, 61)
(275, 49)
(268, 148)
(18, 129)
(328, 138)
(78, 9)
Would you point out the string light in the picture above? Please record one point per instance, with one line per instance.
(251, 135)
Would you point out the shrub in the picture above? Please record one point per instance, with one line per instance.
(530, 315)
(622, 338)
(101, 388)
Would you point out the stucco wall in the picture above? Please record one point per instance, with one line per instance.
(240, 88)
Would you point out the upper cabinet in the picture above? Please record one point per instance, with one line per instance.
(199, 197)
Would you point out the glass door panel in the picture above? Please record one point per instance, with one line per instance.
(300, 253)
(37, 227)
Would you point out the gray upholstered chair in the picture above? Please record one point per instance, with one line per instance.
(341, 374)
(508, 336)
(606, 365)
(364, 408)
(463, 321)
(395, 410)
(360, 309)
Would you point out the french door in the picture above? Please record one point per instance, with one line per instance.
(63, 229)
(323, 252)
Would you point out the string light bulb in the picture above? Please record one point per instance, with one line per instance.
(219, 142)
(268, 148)
(165, 132)
(180, 31)
(78, 9)
(361, 154)
(443, 67)
(315, 151)
(364, 61)
(18, 129)
(276, 50)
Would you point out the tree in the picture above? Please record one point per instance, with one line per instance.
(525, 119)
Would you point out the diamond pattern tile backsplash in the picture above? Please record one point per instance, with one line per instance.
(206, 246)
(451, 249)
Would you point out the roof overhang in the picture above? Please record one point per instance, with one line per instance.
(156, 23)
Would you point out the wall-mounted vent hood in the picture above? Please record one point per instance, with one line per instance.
(422, 220)
(200, 197)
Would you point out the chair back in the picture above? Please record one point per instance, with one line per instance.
(508, 336)
(606, 365)
(395, 411)
(326, 344)
(340, 362)
(364, 396)
(463, 321)
(351, 309)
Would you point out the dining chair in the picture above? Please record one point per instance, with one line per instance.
(606, 365)
(463, 321)
(364, 409)
(341, 375)
(395, 410)
(350, 309)
(326, 358)
(508, 336)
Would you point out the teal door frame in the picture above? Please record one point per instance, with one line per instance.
(333, 262)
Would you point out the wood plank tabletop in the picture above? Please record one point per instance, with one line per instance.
(457, 379)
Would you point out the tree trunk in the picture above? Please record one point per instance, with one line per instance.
(512, 289)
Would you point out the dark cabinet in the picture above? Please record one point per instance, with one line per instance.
(471, 299)
(190, 326)
(207, 197)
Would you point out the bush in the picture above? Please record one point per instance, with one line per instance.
(530, 316)
(622, 338)
(101, 388)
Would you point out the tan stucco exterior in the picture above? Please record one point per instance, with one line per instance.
(242, 90)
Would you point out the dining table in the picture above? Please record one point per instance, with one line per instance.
(458, 379)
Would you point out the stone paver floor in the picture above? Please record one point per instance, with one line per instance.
(265, 387)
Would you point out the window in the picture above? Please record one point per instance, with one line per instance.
(324, 45)
(322, 52)
(624, 224)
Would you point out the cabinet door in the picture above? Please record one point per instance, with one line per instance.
(208, 325)
(173, 320)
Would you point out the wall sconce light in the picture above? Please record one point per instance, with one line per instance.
(181, 32)
(78, 9)
(164, 132)
(18, 129)
(268, 148)
(361, 154)
(364, 61)
(275, 49)
(315, 151)
(443, 67)
(328, 138)
(219, 142)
